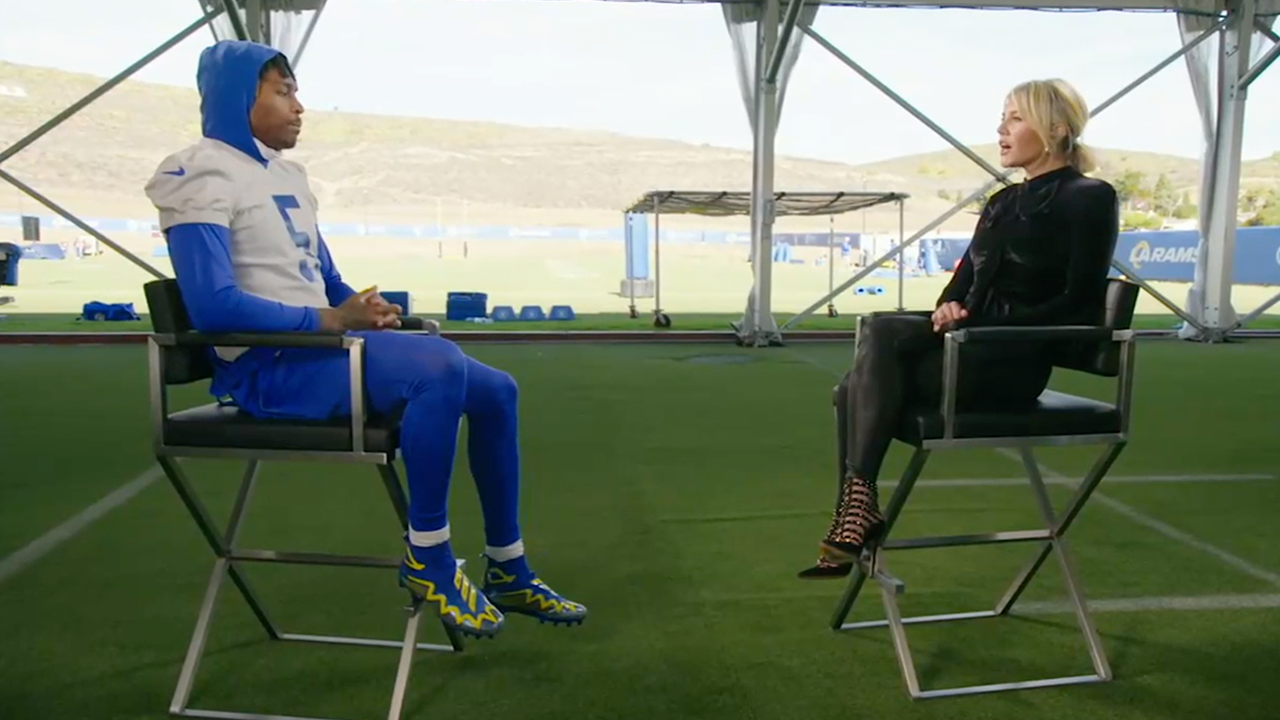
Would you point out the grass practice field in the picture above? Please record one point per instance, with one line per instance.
(675, 491)
(702, 286)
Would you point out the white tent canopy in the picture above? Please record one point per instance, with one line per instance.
(1227, 44)
(727, 202)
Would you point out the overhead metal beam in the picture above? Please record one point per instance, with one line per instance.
(784, 40)
(1140, 5)
(237, 21)
(105, 87)
(968, 152)
(1177, 55)
(1263, 63)
(35, 195)
(306, 37)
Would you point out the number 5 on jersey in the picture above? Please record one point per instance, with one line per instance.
(285, 203)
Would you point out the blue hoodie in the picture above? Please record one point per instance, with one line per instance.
(228, 78)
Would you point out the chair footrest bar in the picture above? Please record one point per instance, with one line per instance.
(1003, 687)
(310, 558)
(362, 642)
(1007, 536)
(921, 619)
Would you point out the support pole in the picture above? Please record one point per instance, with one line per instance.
(657, 261)
(763, 329)
(902, 253)
(106, 87)
(1002, 177)
(831, 262)
(1215, 311)
(80, 224)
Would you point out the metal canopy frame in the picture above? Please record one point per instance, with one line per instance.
(1236, 21)
(1211, 319)
(728, 203)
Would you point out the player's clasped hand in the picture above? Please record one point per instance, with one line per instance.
(947, 313)
(365, 311)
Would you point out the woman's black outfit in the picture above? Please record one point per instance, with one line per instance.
(1040, 255)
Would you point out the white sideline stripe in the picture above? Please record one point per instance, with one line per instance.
(46, 543)
(1163, 528)
(1146, 604)
(1071, 482)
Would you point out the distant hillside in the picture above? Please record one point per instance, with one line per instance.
(391, 169)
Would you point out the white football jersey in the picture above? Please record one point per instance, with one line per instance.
(270, 211)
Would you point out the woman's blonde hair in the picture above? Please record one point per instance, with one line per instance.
(1053, 107)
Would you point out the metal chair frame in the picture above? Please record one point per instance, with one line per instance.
(1050, 538)
(229, 556)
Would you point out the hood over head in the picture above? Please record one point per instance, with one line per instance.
(228, 82)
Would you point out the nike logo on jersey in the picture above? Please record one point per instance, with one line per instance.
(176, 173)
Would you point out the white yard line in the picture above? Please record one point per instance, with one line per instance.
(46, 543)
(1146, 604)
(1160, 526)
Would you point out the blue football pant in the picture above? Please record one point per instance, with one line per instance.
(435, 384)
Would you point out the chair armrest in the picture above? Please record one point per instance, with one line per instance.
(890, 313)
(276, 340)
(1009, 333)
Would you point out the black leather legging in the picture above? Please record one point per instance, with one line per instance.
(898, 365)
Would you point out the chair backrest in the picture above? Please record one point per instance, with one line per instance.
(181, 365)
(1103, 358)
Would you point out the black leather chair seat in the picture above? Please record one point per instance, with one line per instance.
(214, 426)
(1054, 413)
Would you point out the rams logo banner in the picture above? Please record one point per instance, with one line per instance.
(1172, 255)
(1143, 253)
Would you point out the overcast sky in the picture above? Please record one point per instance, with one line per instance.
(668, 71)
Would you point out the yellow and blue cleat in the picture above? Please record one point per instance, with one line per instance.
(514, 588)
(445, 587)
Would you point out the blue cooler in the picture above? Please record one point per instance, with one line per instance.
(466, 305)
(9, 254)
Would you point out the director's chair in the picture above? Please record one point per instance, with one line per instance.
(1057, 419)
(177, 355)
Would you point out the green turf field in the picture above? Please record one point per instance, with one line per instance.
(675, 491)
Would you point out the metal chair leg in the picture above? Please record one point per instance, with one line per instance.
(228, 555)
(1051, 542)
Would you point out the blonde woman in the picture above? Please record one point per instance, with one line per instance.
(1040, 255)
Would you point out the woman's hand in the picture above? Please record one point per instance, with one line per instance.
(948, 313)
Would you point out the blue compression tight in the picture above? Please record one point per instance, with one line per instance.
(436, 385)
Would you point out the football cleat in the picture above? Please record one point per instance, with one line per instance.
(448, 589)
(514, 588)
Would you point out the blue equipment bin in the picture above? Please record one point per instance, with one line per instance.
(9, 255)
(466, 305)
(562, 312)
(532, 312)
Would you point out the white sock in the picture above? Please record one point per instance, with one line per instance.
(428, 538)
(506, 553)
